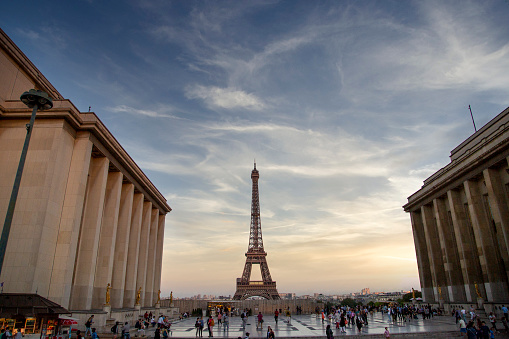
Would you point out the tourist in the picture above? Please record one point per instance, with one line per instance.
(471, 331)
(493, 320)
(226, 322)
(78, 335)
(243, 316)
(247, 335)
(276, 315)
(463, 327)
(387, 334)
(359, 322)
(260, 320)
(197, 326)
(328, 332)
(18, 334)
(210, 326)
(125, 330)
(94, 334)
(271, 334)
(505, 310)
(485, 331)
(114, 330)
(268, 331)
(342, 323)
(202, 325)
(88, 325)
(157, 333)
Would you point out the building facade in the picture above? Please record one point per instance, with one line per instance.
(460, 222)
(86, 215)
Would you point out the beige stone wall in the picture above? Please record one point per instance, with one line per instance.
(86, 215)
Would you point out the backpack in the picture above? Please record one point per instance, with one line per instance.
(212, 322)
(114, 329)
(242, 315)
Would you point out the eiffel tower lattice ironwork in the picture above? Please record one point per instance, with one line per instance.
(256, 255)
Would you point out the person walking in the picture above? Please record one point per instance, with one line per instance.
(125, 331)
(210, 326)
(88, 325)
(493, 320)
(276, 315)
(387, 334)
(463, 327)
(328, 332)
(197, 326)
(342, 323)
(260, 320)
(226, 322)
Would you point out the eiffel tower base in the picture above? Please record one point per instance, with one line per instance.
(258, 289)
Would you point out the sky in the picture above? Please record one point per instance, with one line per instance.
(346, 107)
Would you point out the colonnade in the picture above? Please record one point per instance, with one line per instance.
(120, 242)
(462, 238)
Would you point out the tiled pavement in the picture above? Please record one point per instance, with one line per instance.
(311, 326)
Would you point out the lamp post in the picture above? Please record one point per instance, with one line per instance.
(35, 99)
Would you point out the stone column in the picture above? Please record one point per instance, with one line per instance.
(159, 255)
(84, 274)
(106, 250)
(133, 251)
(500, 212)
(143, 255)
(455, 286)
(121, 245)
(434, 254)
(467, 249)
(493, 276)
(151, 258)
(69, 229)
(499, 209)
(421, 251)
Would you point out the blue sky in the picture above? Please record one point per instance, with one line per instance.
(347, 106)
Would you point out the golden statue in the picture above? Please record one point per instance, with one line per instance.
(413, 293)
(171, 298)
(158, 297)
(440, 292)
(138, 296)
(108, 288)
(477, 290)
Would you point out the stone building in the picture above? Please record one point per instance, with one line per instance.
(460, 222)
(86, 215)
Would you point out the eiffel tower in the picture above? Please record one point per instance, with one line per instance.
(256, 255)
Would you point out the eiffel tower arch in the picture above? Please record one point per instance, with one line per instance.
(256, 255)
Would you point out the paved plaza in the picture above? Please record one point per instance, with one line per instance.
(310, 326)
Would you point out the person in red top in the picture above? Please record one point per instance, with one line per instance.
(260, 320)
(276, 315)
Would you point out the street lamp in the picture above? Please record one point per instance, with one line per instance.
(35, 99)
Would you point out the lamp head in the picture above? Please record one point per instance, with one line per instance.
(35, 97)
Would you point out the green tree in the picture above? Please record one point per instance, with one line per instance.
(348, 302)
(407, 297)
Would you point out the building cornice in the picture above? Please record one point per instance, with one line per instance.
(64, 109)
(483, 149)
(24, 64)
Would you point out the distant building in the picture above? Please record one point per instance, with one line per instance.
(365, 291)
(460, 222)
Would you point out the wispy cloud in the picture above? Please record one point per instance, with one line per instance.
(143, 112)
(227, 98)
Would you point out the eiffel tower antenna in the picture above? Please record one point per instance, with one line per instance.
(256, 255)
